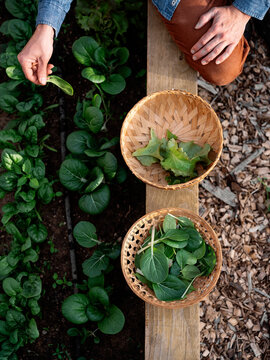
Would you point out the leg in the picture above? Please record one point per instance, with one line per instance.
(181, 28)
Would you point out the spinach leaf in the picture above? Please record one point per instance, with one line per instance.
(83, 49)
(195, 239)
(97, 263)
(169, 290)
(97, 295)
(114, 84)
(93, 75)
(95, 202)
(190, 271)
(94, 313)
(62, 84)
(85, 234)
(37, 232)
(184, 257)
(154, 265)
(11, 287)
(94, 118)
(113, 322)
(73, 174)
(74, 308)
(169, 223)
(79, 141)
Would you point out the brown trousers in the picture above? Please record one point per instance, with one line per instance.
(181, 28)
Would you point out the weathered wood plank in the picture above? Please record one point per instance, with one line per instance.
(169, 334)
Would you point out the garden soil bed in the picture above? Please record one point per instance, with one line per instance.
(234, 317)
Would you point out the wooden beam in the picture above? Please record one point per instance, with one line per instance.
(169, 334)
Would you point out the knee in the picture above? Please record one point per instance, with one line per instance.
(222, 74)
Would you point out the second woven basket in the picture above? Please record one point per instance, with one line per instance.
(187, 116)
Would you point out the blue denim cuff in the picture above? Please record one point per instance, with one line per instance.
(166, 8)
(254, 8)
(52, 12)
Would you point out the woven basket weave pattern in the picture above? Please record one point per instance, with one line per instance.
(136, 236)
(186, 115)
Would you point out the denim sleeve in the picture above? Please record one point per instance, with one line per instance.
(52, 12)
(254, 8)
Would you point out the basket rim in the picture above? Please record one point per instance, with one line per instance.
(128, 119)
(176, 304)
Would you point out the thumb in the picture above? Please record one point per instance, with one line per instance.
(205, 18)
(42, 71)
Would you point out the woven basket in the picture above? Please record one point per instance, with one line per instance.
(186, 115)
(136, 236)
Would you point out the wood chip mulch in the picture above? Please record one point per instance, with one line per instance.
(235, 317)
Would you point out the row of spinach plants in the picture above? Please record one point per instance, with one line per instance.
(89, 170)
(91, 167)
(23, 176)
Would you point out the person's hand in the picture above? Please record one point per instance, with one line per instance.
(228, 26)
(35, 56)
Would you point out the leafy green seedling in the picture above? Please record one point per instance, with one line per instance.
(62, 282)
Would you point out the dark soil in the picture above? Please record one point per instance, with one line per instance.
(126, 206)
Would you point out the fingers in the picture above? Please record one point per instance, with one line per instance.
(49, 69)
(214, 53)
(29, 72)
(42, 71)
(226, 54)
(205, 18)
(207, 48)
(208, 36)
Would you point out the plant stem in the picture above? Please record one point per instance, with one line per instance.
(190, 285)
(148, 246)
(152, 240)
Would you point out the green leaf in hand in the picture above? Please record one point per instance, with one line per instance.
(62, 84)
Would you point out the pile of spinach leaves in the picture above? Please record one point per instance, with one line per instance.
(173, 257)
(179, 159)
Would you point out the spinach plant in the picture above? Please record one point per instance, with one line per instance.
(105, 69)
(94, 304)
(173, 257)
(19, 303)
(90, 166)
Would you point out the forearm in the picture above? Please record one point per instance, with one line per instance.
(52, 13)
(254, 8)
